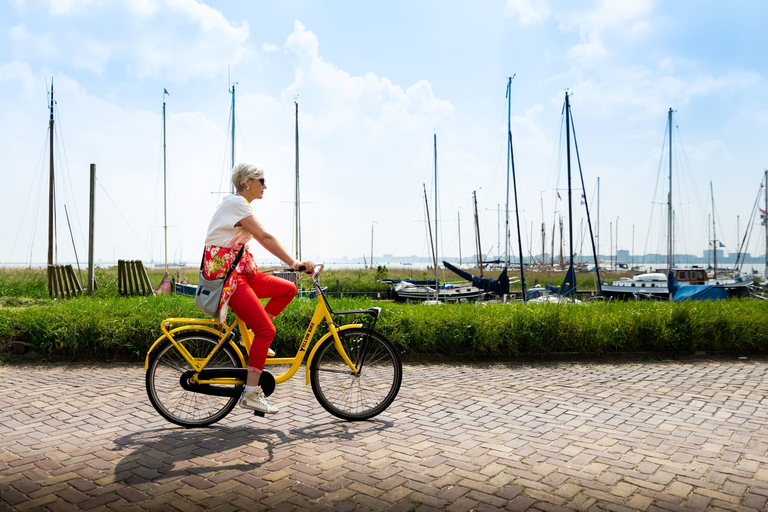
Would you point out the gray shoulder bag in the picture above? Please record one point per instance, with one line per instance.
(208, 296)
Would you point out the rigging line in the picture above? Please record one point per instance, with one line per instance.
(77, 260)
(556, 162)
(60, 136)
(402, 236)
(40, 193)
(586, 207)
(497, 168)
(154, 213)
(748, 231)
(26, 203)
(682, 224)
(121, 213)
(751, 223)
(223, 174)
(656, 189)
(689, 169)
(716, 215)
(242, 140)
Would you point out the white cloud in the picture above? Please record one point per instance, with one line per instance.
(363, 139)
(644, 92)
(71, 7)
(177, 40)
(270, 48)
(615, 19)
(527, 12)
(26, 44)
(202, 46)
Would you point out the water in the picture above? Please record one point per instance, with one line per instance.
(332, 265)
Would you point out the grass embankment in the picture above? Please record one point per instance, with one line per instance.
(108, 328)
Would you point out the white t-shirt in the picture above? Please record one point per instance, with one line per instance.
(222, 231)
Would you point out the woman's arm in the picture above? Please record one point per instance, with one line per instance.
(272, 244)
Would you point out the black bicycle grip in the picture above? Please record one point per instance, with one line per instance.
(301, 268)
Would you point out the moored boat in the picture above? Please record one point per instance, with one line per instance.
(654, 285)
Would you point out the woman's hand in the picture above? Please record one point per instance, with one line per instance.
(308, 266)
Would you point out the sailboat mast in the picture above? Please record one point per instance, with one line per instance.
(561, 242)
(297, 206)
(714, 232)
(437, 273)
(232, 185)
(543, 231)
(458, 220)
(598, 222)
(509, 142)
(165, 188)
(51, 187)
(429, 225)
(568, 157)
(670, 249)
(514, 185)
(477, 235)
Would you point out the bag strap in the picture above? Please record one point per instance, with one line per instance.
(234, 263)
(232, 267)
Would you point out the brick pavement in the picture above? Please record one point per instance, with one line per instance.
(561, 436)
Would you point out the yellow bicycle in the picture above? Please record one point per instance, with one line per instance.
(195, 371)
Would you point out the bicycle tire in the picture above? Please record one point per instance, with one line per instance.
(356, 397)
(174, 403)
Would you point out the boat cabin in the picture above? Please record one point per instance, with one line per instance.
(691, 276)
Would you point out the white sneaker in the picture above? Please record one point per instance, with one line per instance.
(256, 401)
(271, 353)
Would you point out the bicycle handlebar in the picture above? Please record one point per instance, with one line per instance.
(315, 272)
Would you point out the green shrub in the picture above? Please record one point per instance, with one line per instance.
(108, 327)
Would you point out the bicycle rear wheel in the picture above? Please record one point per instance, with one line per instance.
(362, 396)
(176, 404)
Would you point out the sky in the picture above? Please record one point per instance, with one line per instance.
(376, 82)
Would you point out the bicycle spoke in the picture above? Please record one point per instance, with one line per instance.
(181, 406)
(362, 395)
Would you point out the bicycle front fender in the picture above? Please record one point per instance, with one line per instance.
(327, 335)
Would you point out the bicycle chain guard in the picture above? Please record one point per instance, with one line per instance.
(267, 381)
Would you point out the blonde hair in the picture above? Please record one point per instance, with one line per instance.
(244, 172)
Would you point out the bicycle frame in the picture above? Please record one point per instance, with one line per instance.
(226, 332)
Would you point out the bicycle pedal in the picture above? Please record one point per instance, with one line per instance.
(258, 413)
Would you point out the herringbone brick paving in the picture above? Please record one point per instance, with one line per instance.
(561, 436)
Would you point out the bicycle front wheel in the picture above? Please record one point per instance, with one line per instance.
(360, 396)
(166, 367)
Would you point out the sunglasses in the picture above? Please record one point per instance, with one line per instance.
(263, 182)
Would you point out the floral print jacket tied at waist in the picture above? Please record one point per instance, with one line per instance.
(217, 261)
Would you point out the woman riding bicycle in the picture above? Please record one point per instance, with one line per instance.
(231, 227)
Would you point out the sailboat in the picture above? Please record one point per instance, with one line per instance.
(430, 292)
(500, 286)
(569, 288)
(667, 282)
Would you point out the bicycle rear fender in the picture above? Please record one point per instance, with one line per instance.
(320, 342)
(191, 328)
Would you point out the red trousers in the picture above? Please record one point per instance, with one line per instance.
(246, 304)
